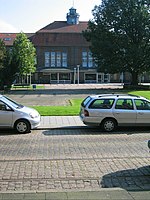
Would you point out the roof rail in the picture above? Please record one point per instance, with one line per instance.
(103, 95)
(133, 95)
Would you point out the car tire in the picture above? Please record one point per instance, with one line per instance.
(109, 125)
(22, 126)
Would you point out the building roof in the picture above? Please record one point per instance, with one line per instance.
(9, 38)
(59, 33)
(64, 27)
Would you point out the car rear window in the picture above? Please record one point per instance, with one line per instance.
(85, 101)
(102, 104)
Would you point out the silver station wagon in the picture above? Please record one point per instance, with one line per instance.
(16, 116)
(112, 110)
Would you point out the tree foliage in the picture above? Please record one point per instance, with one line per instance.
(10, 69)
(20, 59)
(7, 68)
(120, 36)
(24, 54)
(2, 54)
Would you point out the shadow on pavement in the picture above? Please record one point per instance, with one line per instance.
(61, 91)
(131, 179)
(5, 132)
(85, 130)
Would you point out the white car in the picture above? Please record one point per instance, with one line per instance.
(112, 110)
(16, 116)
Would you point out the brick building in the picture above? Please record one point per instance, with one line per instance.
(63, 54)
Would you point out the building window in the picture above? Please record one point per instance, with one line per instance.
(7, 39)
(64, 59)
(52, 59)
(47, 59)
(64, 76)
(90, 60)
(87, 59)
(90, 78)
(55, 59)
(58, 59)
(54, 76)
(84, 59)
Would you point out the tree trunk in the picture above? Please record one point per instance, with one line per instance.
(134, 78)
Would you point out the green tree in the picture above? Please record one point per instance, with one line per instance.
(24, 54)
(8, 68)
(2, 61)
(2, 53)
(120, 36)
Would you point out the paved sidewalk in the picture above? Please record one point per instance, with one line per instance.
(48, 122)
(102, 194)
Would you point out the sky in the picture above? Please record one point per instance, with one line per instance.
(29, 16)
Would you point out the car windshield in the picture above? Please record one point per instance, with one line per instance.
(85, 101)
(11, 102)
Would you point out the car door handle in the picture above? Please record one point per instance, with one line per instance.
(117, 113)
(140, 113)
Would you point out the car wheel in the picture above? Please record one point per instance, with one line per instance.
(22, 126)
(109, 125)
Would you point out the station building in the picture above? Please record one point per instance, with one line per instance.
(63, 54)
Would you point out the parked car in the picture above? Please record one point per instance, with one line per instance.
(16, 116)
(112, 110)
(149, 144)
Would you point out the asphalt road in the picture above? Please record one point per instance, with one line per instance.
(60, 94)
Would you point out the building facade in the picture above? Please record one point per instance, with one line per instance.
(63, 54)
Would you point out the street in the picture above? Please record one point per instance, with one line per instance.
(64, 159)
(74, 159)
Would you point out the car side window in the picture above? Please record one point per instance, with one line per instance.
(142, 104)
(125, 104)
(2, 106)
(102, 104)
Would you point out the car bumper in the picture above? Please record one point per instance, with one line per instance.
(35, 122)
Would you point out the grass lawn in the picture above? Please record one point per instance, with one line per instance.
(71, 110)
(145, 94)
(74, 108)
(30, 87)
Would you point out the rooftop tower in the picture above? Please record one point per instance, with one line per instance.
(72, 16)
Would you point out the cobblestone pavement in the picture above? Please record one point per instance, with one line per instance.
(74, 159)
(65, 158)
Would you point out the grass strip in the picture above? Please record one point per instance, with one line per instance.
(74, 108)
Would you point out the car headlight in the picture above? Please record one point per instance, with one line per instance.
(34, 115)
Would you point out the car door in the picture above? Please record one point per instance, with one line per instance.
(143, 111)
(6, 115)
(100, 109)
(124, 112)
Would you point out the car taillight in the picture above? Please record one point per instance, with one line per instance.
(86, 113)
